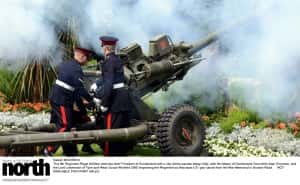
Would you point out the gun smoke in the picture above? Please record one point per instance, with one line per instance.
(261, 55)
(261, 59)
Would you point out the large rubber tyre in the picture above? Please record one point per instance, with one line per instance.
(180, 131)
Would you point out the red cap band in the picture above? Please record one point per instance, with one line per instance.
(108, 40)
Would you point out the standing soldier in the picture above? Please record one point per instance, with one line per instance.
(67, 89)
(115, 101)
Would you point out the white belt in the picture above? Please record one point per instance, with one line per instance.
(118, 86)
(64, 85)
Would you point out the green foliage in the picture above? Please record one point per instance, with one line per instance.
(149, 101)
(91, 65)
(6, 77)
(297, 136)
(33, 83)
(144, 151)
(261, 124)
(235, 116)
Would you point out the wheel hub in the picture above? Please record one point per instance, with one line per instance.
(184, 132)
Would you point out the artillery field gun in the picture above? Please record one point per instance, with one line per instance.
(179, 130)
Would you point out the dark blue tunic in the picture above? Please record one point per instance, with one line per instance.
(70, 73)
(117, 100)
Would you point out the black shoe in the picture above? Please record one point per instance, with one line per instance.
(88, 149)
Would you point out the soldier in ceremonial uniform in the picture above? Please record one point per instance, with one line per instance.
(68, 88)
(115, 100)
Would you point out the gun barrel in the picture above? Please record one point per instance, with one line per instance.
(92, 73)
(121, 134)
(212, 37)
(41, 128)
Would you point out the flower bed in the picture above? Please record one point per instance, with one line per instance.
(251, 142)
(223, 148)
(25, 107)
(19, 118)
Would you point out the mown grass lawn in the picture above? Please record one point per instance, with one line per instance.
(137, 151)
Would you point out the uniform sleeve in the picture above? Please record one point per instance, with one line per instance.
(78, 82)
(99, 91)
(108, 76)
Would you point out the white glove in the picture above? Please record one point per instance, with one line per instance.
(103, 109)
(93, 87)
(97, 102)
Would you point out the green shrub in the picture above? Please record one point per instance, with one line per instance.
(235, 116)
(261, 124)
(6, 90)
(33, 82)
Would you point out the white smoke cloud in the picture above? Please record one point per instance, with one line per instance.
(268, 53)
(28, 26)
(24, 30)
(265, 49)
(138, 21)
